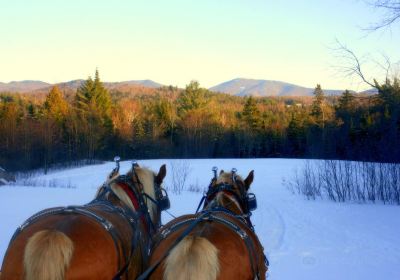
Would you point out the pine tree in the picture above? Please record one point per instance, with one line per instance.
(346, 101)
(194, 97)
(84, 95)
(317, 108)
(389, 94)
(164, 116)
(296, 135)
(92, 97)
(56, 107)
(251, 114)
(93, 102)
(102, 96)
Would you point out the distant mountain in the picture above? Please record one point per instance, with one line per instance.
(74, 84)
(39, 86)
(23, 86)
(145, 83)
(370, 91)
(244, 87)
(239, 87)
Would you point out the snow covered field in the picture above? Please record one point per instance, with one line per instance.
(302, 239)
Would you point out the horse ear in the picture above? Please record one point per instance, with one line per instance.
(249, 180)
(222, 171)
(161, 174)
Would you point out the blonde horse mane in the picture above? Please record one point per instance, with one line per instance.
(146, 177)
(221, 199)
(226, 177)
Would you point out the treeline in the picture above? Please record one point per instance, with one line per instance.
(195, 123)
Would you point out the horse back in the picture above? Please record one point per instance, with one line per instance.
(233, 253)
(97, 254)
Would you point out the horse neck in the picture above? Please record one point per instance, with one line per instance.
(146, 178)
(221, 200)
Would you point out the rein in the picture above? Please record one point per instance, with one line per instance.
(206, 215)
(136, 195)
(229, 189)
(209, 215)
(186, 232)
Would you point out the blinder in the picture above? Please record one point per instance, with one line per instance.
(162, 199)
(163, 202)
(251, 201)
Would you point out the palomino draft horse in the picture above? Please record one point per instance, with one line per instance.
(217, 243)
(108, 238)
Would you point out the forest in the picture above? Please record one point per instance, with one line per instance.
(95, 123)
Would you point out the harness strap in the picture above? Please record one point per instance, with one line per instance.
(151, 269)
(131, 216)
(137, 200)
(202, 200)
(82, 210)
(244, 236)
(142, 206)
(223, 187)
(207, 215)
(123, 269)
(242, 218)
(126, 213)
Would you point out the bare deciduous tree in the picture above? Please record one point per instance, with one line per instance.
(348, 181)
(391, 13)
(180, 172)
(350, 64)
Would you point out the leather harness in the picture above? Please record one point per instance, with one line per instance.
(102, 204)
(216, 214)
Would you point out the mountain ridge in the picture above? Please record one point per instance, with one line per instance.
(26, 86)
(262, 88)
(237, 86)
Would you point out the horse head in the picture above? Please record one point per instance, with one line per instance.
(139, 190)
(230, 191)
(195, 244)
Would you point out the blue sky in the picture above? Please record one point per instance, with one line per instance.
(175, 41)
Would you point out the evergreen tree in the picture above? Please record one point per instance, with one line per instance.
(56, 107)
(389, 94)
(93, 102)
(345, 108)
(102, 96)
(251, 114)
(296, 134)
(194, 97)
(84, 95)
(317, 108)
(92, 98)
(164, 115)
(346, 100)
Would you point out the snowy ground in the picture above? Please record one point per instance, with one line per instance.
(302, 239)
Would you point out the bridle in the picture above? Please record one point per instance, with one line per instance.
(247, 201)
(137, 195)
(135, 191)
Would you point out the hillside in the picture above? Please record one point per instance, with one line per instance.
(245, 87)
(43, 87)
(238, 87)
(23, 86)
